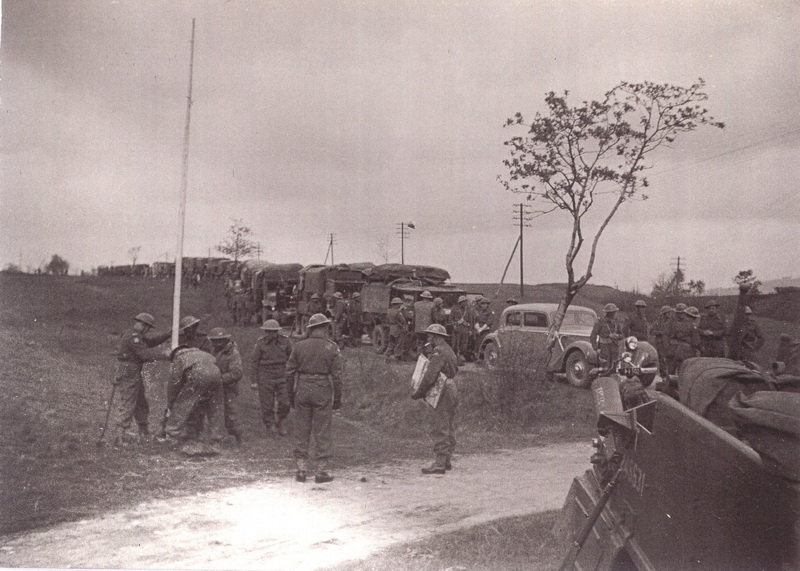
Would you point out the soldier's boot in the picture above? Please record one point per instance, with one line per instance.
(322, 475)
(300, 475)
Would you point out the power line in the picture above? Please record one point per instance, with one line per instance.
(402, 231)
(331, 242)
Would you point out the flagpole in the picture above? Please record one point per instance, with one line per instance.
(176, 296)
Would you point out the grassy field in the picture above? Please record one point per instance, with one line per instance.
(56, 367)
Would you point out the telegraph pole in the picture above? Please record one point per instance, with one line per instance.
(402, 231)
(522, 216)
(331, 242)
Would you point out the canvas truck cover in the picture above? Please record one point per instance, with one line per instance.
(389, 272)
(282, 273)
(313, 278)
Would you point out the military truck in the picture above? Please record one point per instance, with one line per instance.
(388, 281)
(325, 281)
(670, 489)
(274, 289)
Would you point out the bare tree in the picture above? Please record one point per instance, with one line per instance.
(594, 154)
(238, 243)
(383, 250)
(133, 253)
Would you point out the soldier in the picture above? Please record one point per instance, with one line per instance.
(409, 341)
(752, 338)
(438, 313)
(313, 306)
(354, 319)
(229, 361)
(132, 355)
(397, 330)
(443, 426)
(484, 320)
(638, 325)
(339, 315)
(315, 371)
(683, 340)
(268, 376)
(197, 386)
(658, 333)
(606, 335)
(461, 322)
(713, 329)
(191, 336)
(423, 317)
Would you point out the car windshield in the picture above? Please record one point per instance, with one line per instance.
(578, 318)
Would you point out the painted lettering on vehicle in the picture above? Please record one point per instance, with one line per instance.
(633, 474)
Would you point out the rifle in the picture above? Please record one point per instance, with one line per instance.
(99, 442)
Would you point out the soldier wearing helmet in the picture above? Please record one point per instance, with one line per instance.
(683, 340)
(438, 313)
(638, 324)
(355, 324)
(315, 372)
(439, 375)
(752, 338)
(658, 332)
(398, 326)
(484, 320)
(462, 321)
(134, 351)
(339, 316)
(229, 361)
(606, 335)
(191, 336)
(423, 317)
(314, 305)
(713, 329)
(268, 376)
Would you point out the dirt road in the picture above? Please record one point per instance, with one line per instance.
(281, 524)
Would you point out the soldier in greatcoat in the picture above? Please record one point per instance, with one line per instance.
(607, 335)
(638, 325)
(268, 376)
(398, 326)
(229, 361)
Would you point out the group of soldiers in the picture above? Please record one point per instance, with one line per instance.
(678, 333)
(465, 324)
(345, 316)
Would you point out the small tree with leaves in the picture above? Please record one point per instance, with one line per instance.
(748, 280)
(57, 266)
(237, 243)
(574, 159)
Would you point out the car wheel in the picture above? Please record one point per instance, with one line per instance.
(379, 339)
(490, 355)
(577, 369)
(647, 380)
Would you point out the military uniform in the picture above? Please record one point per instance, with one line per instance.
(397, 331)
(713, 329)
(229, 361)
(639, 327)
(354, 320)
(423, 316)
(605, 338)
(658, 333)
(198, 384)
(131, 399)
(315, 367)
(752, 339)
(683, 342)
(442, 418)
(268, 372)
(462, 322)
(339, 314)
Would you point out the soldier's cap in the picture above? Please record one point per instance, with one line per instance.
(610, 308)
(747, 310)
(187, 322)
(462, 298)
(680, 308)
(693, 311)
(271, 325)
(314, 296)
(666, 309)
(397, 301)
(640, 303)
(437, 329)
(712, 303)
(317, 319)
(338, 295)
(146, 318)
(218, 333)
(426, 294)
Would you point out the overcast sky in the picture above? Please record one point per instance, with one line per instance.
(311, 118)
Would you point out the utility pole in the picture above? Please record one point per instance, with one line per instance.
(402, 231)
(522, 216)
(258, 250)
(331, 242)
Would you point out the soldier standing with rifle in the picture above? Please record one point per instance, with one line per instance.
(315, 372)
(128, 382)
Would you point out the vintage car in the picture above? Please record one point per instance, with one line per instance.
(522, 331)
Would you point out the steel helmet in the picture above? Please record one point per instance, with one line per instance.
(314, 296)
(640, 303)
(397, 301)
(271, 325)
(426, 294)
(680, 308)
(437, 329)
(338, 295)
(485, 300)
(747, 310)
(438, 301)
(317, 319)
(610, 308)
(218, 333)
(712, 303)
(665, 309)
(693, 311)
(356, 294)
(146, 318)
(462, 298)
(187, 322)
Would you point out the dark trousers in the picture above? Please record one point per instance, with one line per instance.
(443, 425)
(273, 394)
(131, 400)
(313, 413)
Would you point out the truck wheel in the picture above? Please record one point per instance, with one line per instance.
(379, 339)
(577, 369)
(490, 355)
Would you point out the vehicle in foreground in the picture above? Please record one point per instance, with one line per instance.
(522, 335)
(669, 489)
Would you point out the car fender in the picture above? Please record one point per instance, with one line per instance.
(490, 338)
(581, 345)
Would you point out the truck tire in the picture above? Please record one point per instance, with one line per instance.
(577, 370)
(379, 339)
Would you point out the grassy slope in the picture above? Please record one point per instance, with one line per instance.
(56, 367)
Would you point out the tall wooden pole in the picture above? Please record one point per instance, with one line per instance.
(521, 257)
(176, 296)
